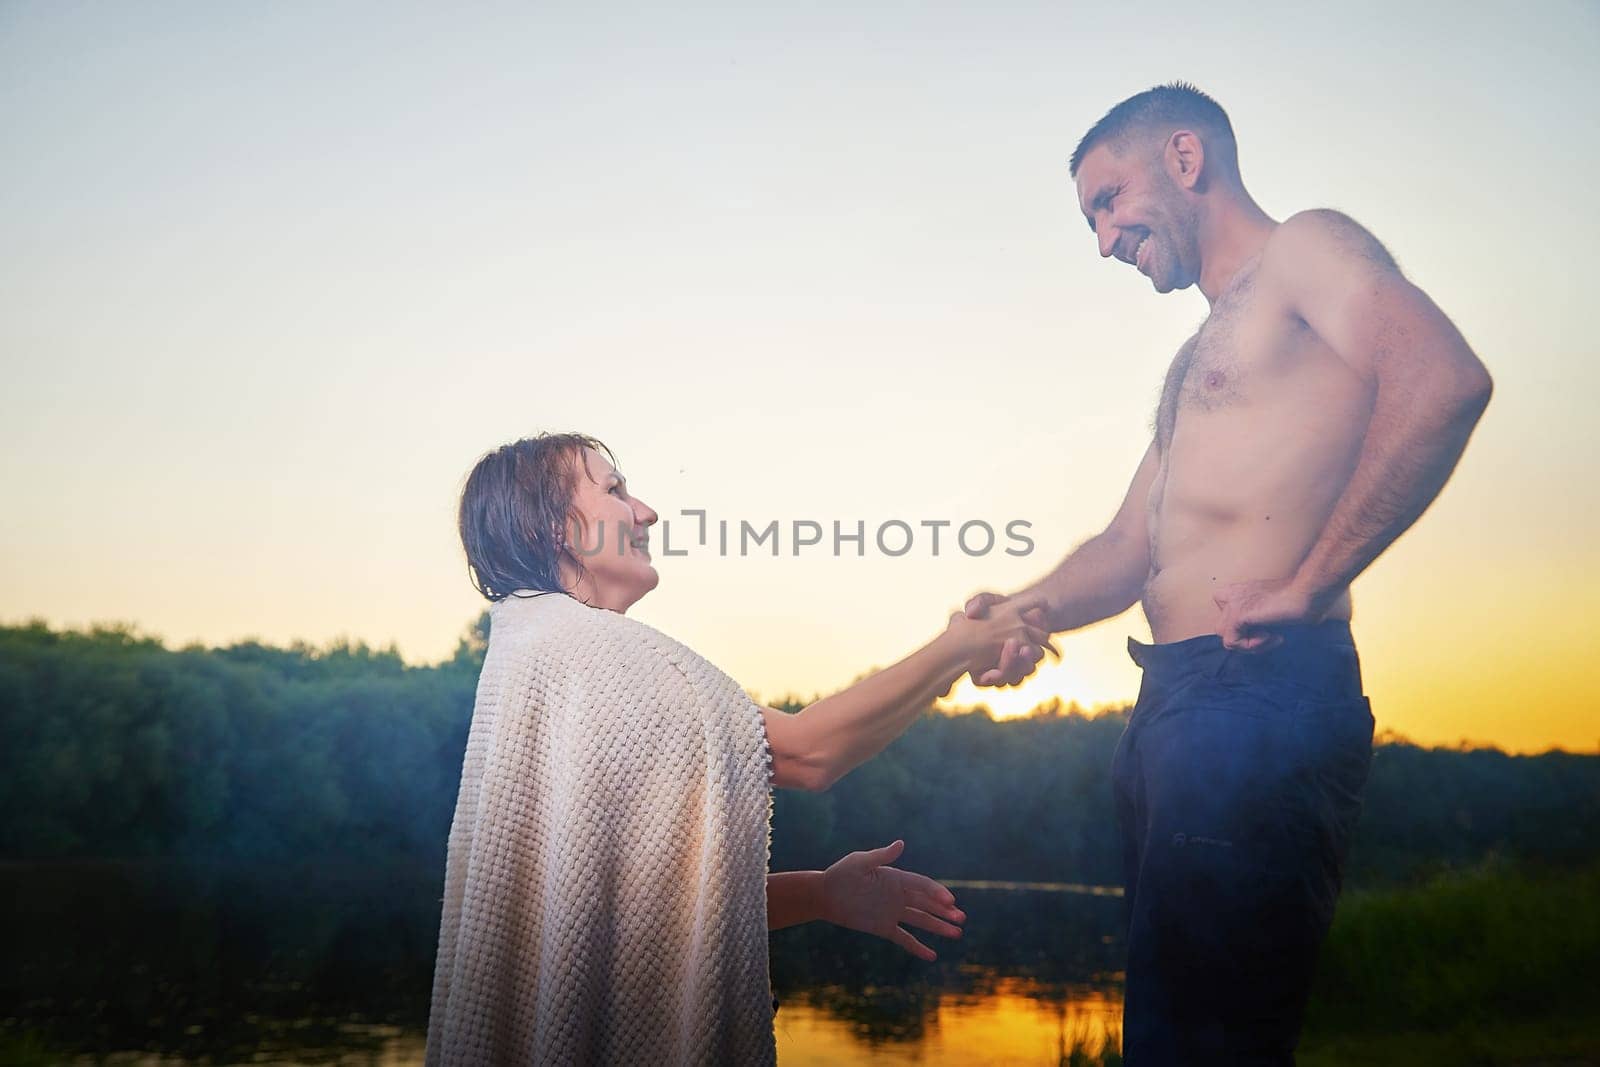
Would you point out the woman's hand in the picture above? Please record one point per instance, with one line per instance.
(825, 741)
(1003, 630)
(862, 892)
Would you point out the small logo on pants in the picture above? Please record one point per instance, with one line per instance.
(1180, 840)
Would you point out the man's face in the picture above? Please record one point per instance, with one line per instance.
(1140, 215)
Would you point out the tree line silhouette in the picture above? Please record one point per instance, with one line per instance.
(113, 746)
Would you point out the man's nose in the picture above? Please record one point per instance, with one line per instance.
(1108, 241)
(644, 514)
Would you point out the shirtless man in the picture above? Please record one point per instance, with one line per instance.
(1308, 422)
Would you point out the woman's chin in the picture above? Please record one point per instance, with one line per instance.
(648, 580)
(651, 580)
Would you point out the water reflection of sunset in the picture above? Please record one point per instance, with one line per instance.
(1013, 1021)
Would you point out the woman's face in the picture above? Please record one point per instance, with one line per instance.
(608, 531)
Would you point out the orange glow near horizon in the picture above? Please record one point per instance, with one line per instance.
(1019, 1022)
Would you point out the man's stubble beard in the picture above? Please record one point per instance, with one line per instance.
(1181, 226)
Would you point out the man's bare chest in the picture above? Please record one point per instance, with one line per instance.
(1241, 350)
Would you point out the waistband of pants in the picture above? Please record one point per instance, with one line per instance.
(1304, 645)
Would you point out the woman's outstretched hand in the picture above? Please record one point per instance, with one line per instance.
(1005, 637)
(863, 892)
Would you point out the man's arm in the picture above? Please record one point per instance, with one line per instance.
(1105, 575)
(1429, 392)
(1099, 579)
(824, 741)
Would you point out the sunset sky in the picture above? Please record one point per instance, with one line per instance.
(274, 275)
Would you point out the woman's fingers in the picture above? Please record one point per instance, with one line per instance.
(882, 857)
(932, 923)
(938, 901)
(1016, 662)
(1018, 665)
(979, 605)
(1002, 665)
(928, 889)
(900, 937)
(1041, 638)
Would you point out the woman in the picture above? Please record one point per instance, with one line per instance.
(606, 895)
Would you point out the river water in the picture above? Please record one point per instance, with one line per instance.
(167, 965)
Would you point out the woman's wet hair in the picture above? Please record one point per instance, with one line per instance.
(514, 510)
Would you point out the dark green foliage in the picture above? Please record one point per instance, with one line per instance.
(1027, 800)
(1496, 943)
(1432, 809)
(1030, 800)
(112, 746)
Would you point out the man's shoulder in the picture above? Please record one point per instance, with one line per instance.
(1321, 237)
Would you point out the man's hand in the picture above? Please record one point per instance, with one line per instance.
(862, 892)
(1251, 609)
(1017, 658)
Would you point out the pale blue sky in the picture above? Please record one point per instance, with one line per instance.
(275, 274)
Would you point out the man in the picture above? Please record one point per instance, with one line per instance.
(1308, 422)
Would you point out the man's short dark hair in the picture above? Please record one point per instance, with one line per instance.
(1154, 114)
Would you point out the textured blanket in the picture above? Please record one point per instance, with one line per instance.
(605, 890)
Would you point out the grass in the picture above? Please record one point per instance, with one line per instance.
(1568, 1041)
(1491, 968)
(26, 1049)
(1495, 966)
(1091, 1049)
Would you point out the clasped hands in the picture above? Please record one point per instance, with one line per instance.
(1009, 635)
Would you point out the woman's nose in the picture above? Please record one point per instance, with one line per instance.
(644, 514)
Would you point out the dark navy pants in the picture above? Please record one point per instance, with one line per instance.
(1238, 783)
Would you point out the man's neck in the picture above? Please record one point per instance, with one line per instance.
(1231, 235)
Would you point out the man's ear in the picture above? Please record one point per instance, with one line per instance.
(1185, 158)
